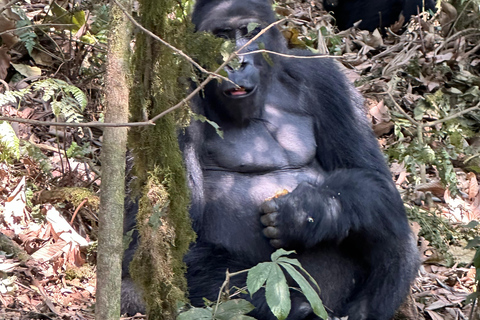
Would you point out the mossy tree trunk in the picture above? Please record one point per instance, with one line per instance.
(112, 195)
(163, 220)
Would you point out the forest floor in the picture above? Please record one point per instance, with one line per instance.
(49, 183)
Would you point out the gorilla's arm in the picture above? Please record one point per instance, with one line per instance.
(357, 195)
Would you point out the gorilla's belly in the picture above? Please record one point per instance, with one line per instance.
(232, 212)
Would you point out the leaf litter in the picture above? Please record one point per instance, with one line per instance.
(55, 276)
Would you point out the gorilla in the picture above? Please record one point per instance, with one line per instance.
(374, 13)
(298, 168)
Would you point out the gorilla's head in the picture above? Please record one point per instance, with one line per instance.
(239, 21)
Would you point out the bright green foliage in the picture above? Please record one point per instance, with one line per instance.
(12, 97)
(26, 35)
(67, 100)
(271, 276)
(9, 142)
(277, 291)
(76, 151)
(437, 145)
(228, 310)
(77, 19)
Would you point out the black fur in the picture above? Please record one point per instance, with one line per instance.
(298, 125)
(374, 13)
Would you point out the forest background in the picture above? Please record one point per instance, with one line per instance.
(421, 85)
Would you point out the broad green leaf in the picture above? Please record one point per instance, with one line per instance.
(280, 252)
(229, 309)
(78, 18)
(277, 293)
(295, 262)
(311, 295)
(257, 276)
(196, 314)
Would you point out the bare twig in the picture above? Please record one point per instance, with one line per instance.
(431, 123)
(73, 124)
(289, 55)
(37, 26)
(400, 109)
(228, 275)
(78, 209)
(8, 5)
(450, 117)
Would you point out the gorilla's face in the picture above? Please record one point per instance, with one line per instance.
(242, 98)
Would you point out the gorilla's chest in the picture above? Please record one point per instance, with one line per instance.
(277, 141)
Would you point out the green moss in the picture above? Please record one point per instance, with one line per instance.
(159, 82)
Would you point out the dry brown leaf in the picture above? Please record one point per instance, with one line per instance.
(473, 187)
(380, 112)
(434, 315)
(4, 62)
(50, 251)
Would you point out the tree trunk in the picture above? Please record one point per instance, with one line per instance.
(110, 249)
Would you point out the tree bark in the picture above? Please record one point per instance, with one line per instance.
(110, 249)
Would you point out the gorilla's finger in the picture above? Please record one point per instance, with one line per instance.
(271, 232)
(269, 206)
(270, 219)
(276, 243)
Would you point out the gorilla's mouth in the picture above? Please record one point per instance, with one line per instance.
(240, 92)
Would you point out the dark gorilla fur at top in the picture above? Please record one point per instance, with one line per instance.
(297, 125)
(374, 13)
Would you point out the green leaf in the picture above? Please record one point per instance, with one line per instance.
(279, 253)
(78, 19)
(476, 260)
(202, 118)
(257, 276)
(9, 142)
(472, 224)
(265, 55)
(229, 309)
(242, 317)
(277, 293)
(196, 314)
(252, 26)
(227, 48)
(311, 295)
(295, 262)
(475, 242)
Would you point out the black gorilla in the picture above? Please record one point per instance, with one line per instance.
(293, 124)
(374, 13)
(297, 125)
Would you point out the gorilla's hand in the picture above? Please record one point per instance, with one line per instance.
(294, 220)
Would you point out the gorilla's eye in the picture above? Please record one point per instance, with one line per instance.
(225, 33)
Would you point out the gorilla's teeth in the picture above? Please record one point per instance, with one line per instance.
(238, 91)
